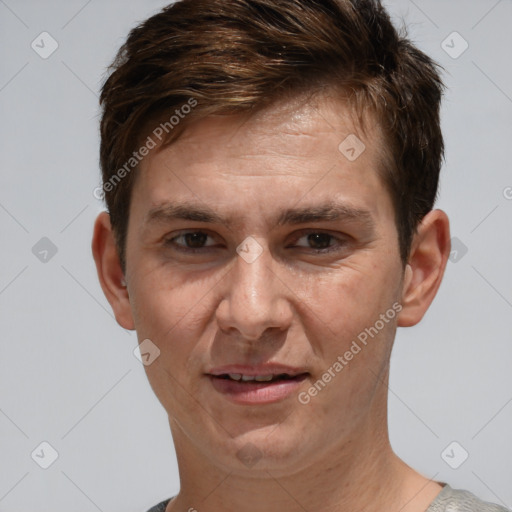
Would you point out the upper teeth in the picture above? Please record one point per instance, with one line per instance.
(260, 378)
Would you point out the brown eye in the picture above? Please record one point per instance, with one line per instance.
(195, 240)
(319, 240)
(189, 241)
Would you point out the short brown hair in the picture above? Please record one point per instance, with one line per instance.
(237, 56)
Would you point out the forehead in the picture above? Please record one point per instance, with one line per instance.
(314, 147)
(293, 128)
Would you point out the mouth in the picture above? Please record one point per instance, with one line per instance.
(256, 389)
(239, 377)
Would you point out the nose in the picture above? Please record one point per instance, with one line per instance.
(254, 299)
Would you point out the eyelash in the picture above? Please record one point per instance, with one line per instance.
(170, 242)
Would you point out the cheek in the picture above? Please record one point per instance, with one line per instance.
(164, 309)
(172, 316)
(343, 304)
(352, 343)
(173, 312)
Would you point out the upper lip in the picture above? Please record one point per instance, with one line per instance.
(252, 371)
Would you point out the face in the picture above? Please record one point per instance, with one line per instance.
(256, 247)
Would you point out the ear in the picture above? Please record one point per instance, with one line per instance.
(430, 250)
(110, 274)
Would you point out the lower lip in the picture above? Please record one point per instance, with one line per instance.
(250, 393)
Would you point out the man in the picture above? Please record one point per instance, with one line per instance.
(270, 169)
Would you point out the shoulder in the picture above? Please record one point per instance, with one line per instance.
(160, 507)
(458, 500)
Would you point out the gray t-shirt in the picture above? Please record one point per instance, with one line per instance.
(448, 500)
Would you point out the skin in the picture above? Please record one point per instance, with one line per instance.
(291, 305)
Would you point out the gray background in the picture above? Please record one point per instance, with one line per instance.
(68, 375)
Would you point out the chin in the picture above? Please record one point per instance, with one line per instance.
(261, 451)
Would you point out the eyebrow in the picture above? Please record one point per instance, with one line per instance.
(325, 212)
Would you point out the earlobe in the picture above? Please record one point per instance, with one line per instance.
(425, 269)
(109, 270)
